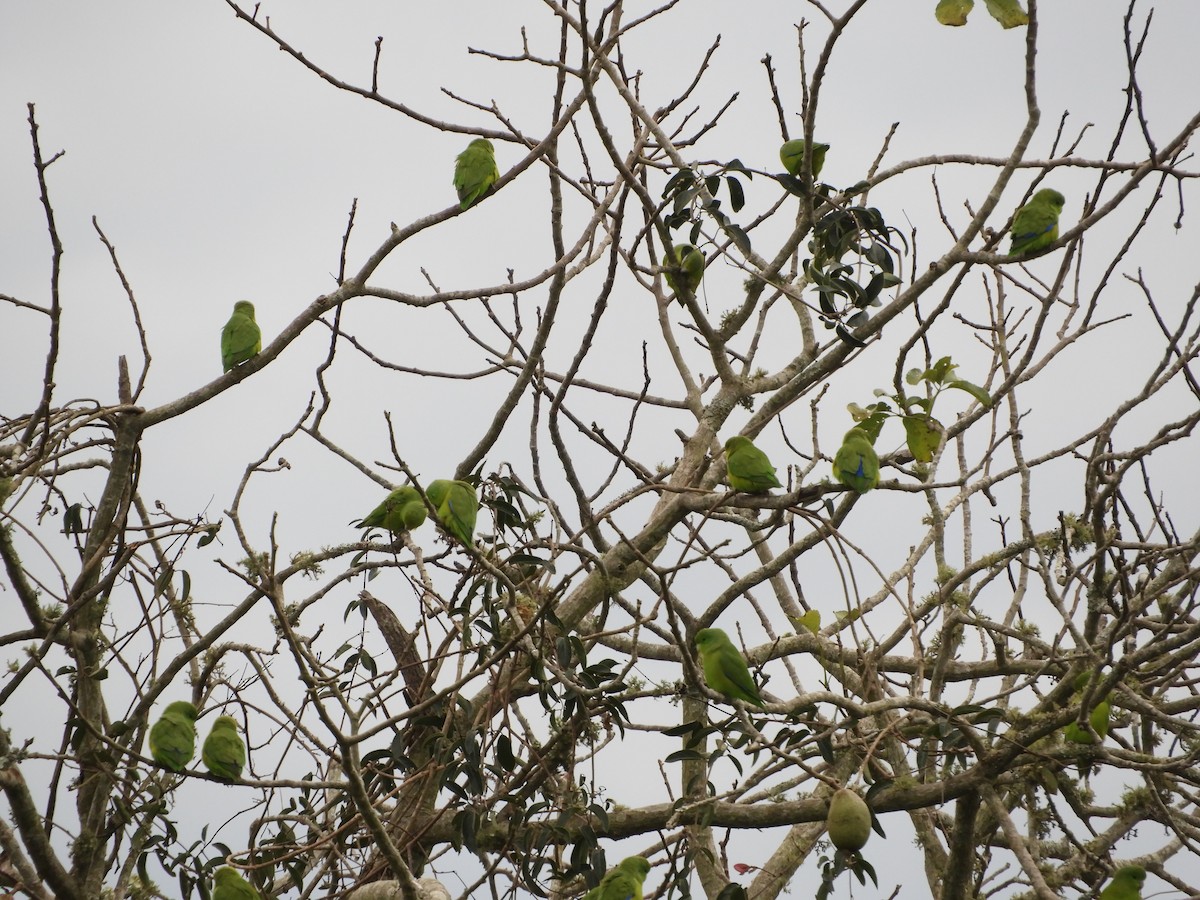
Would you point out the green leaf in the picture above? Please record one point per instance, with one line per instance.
(862, 867)
(847, 337)
(210, 535)
(811, 620)
(940, 371)
(953, 12)
(1007, 12)
(163, 581)
(368, 662)
(825, 746)
(676, 181)
(737, 198)
(974, 390)
(683, 755)
(736, 165)
(792, 185)
(878, 254)
(740, 239)
(924, 435)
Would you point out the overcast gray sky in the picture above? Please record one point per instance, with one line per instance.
(222, 170)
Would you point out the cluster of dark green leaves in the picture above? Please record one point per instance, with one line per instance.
(833, 866)
(575, 824)
(193, 872)
(277, 851)
(694, 196)
(791, 738)
(862, 234)
(946, 738)
(923, 432)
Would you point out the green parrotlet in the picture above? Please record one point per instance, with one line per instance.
(1036, 223)
(1126, 884)
(241, 338)
(228, 884)
(1098, 718)
(457, 507)
(401, 510)
(747, 468)
(223, 752)
(725, 668)
(687, 270)
(791, 155)
(623, 881)
(173, 736)
(475, 171)
(856, 464)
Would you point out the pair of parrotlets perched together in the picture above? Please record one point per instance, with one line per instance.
(173, 742)
(475, 172)
(402, 510)
(749, 471)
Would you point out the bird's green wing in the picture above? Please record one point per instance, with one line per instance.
(402, 510)
(685, 274)
(620, 885)
(1099, 719)
(1036, 223)
(437, 491)
(475, 171)
(748, 468)
(736, 676)
(725, 668)
(241, 338)
(791, 154)
(173, 736)
(223, 752)
(856, 464)
(459, 510)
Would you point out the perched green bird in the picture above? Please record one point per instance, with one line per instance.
(457, 507)
(791, 155)
(401, 510)
(855, 464)
(223, 752)
(1036, 223)
(687, 272)
(623, 881)
(241, 338)
(747, 468)
(475, 171)
(1098, 718)
(228, 884)
(1126, 884)
(173, 736)
(725, 668)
